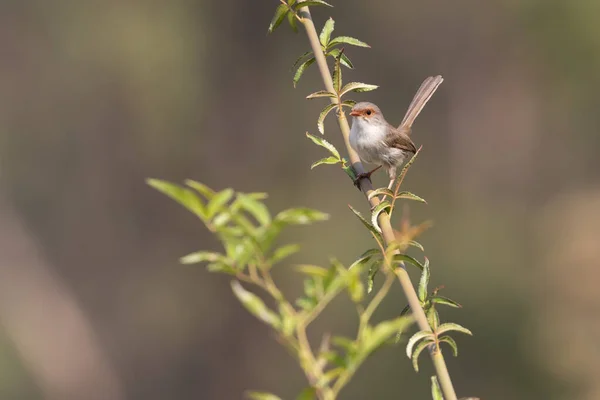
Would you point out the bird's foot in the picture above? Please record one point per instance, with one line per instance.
(364, 175)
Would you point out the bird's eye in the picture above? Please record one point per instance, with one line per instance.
(369, 112)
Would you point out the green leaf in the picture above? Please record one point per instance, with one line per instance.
(400, 178)
(384, 206)
(221, 267)
(451, 342)
(366, 223)
(321, 93)
(356, 289)
(345, 61)
(293, 21)
(312, 270)
(445, 301)
(433, 318)
(424, 282)
(348, 40)
(382, 332)
(410, 196)
(255, 305)
(201, 256)
(338, 53)
(348, 103)
(416, 338)
(417, 352)
(280, 13)
(405, 310)
(301, 69)
(201, 188)
(322, 115)
(302, 57)
(325, 144)
(371, 279)
(357, 87)
(256, 208)
(300, 216)
(365, 258)
(404, 257)
(326, 160)
(380, 191)
(326, 32)
(218, 202)
(436, 392)
(337, 74)
(312, 3)
(450, 326)
(283, 252)
(183, 196)
(261, 396)
(308, 393)
(415, 244)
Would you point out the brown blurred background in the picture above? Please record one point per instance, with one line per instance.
(95, 96)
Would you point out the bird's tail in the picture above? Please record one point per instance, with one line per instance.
(427, 89)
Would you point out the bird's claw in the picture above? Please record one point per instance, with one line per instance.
(360, 176)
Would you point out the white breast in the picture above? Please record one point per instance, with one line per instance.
(367, 140)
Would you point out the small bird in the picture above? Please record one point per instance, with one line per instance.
(378, 142)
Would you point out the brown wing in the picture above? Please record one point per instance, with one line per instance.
(427, 89)
(398, 138)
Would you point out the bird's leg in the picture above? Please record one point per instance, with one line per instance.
(364, 175)
(392, 175)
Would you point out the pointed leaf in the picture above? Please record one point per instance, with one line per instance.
(348, 103)
(326, 32)
(301, 69)
(433, 318)
(283, 252)
(201, 188)
(325, 144)
(410, 196)
(261, 396)
(371, 280)
(312, 270)
(201, 256)
(302, 57)
(365, 258)
(322, 115)
(381, 191)
(293, 21)
(337, 74)
(445, 301)
(255, 305)
(308, 393)
(450, 326)
(415, 338)
(384, 206)
(280, 13)
(300, 216)
(256, 208)
(424, 282)
(366, 223)
(348, 40)
(436, 392)
(326, 160)
(357, 87)
(451, 342)
(338, 53)
(384, 331)
(415, 244)
(403, 257)
(218, 202)
(309, 3)
(404, 171)
(321, 93)
(418, 349)
(183, 196)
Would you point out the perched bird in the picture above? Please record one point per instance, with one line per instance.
(377, 142)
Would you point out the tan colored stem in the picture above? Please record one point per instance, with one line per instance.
(384, 219)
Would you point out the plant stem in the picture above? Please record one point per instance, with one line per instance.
(366, 187)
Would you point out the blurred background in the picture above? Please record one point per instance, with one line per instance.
(96, 96)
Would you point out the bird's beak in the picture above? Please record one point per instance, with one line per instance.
(355, 113)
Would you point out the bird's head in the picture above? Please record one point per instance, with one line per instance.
(367, 112)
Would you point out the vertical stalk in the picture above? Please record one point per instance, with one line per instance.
(384, 220)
